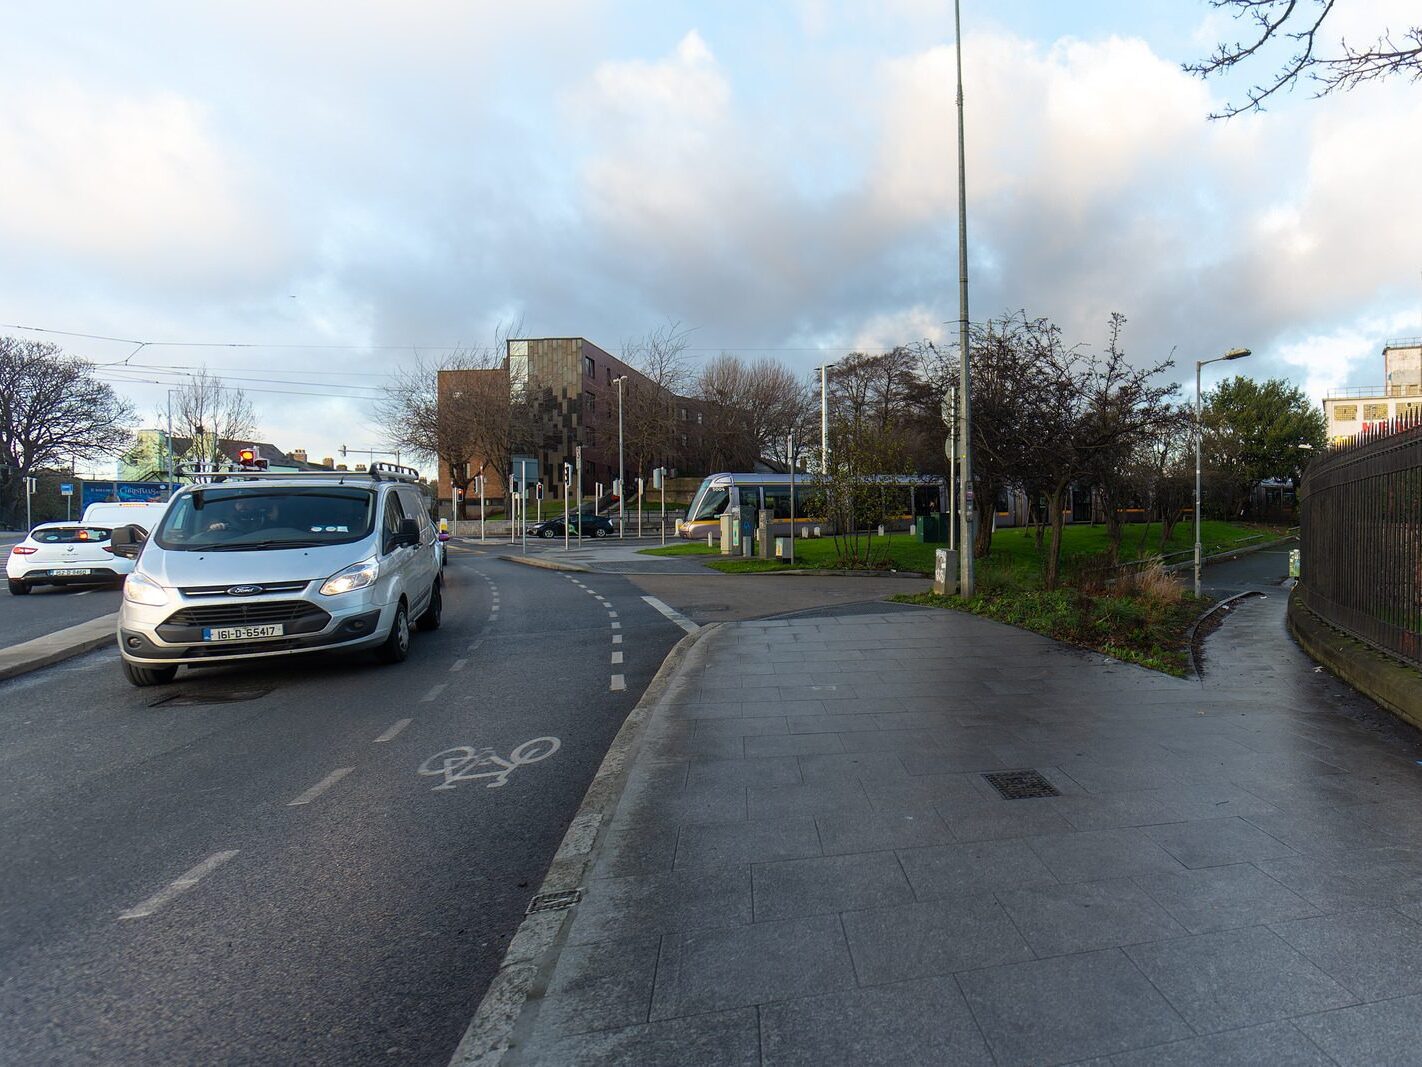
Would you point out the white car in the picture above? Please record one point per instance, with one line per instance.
(64, 553)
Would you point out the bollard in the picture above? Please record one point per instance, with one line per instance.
(945, 571)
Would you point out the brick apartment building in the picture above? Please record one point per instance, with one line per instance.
(571, 382)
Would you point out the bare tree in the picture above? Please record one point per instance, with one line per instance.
(53, 411)
(652, 432)
(1301, 24)
(208, 412)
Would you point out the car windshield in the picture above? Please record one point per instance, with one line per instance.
(231, 520)
(69, 535)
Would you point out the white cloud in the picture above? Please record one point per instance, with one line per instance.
(140, 184)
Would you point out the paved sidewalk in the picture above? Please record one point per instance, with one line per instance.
(808, 865)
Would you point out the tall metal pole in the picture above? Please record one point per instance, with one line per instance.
(965, 429)
(168, 478)
(952, 515)
(578, 456)
(621, 471)
(824, 417)
(481, 509)
(1199, 434)
(790, 451)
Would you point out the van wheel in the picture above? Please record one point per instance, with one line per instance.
(430, 619)
(397, 643)
(145, 676)
(18, 587)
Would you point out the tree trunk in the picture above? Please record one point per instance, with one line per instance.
(1056, 517)
(1113, 532)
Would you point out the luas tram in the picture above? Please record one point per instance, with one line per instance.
(904, 496)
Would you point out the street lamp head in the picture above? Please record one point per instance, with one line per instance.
(1237, 353)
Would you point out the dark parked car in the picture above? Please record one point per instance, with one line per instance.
(591, 526)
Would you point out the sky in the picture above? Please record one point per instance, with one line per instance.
(342, 185)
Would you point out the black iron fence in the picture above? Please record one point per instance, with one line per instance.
(1360, 538)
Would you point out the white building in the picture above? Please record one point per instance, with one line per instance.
(1350, 411)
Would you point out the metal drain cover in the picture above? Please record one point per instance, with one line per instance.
(554, 901)
(211, 696)
(1021, 785)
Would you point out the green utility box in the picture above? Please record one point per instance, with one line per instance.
(931, 529)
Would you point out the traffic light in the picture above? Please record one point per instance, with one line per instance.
(567, 473)
(247, 456)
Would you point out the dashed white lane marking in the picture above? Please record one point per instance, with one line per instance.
(171, 892)
(612, 614)
(674, 615)
(389, 735)
(618, 682)
(457, 665)
(86, 592)
(435, 690)
(617, 639)
(617, 626)
(617, 657)
(320, 787)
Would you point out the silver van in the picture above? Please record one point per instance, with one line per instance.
(248, 565)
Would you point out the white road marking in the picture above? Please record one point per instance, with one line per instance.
(618, 682)
(674, 615)
(616, 625)
(389, 735)
(617, 657)
(320, 787)
(597, 596)
(457, 665)
(612, 614)
(86, 592)
(171, 892)
(617, 639)
(435, 690)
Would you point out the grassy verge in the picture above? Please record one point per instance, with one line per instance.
(1145, 618)
(689, 548)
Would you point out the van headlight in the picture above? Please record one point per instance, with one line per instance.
(140, 589)
(356, 576)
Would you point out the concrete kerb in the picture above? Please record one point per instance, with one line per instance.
(1391, 683)
(60, 645)
(548, 564)
(510, 1005)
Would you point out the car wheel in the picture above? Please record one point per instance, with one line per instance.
(19, 587)
(397, 642)
(146, 676)
(599, 532)
(430, 619)
(547, 535)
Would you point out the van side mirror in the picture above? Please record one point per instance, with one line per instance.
(409, 533)
(127, 541)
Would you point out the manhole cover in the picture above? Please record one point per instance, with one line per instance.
(554, 901)
(211, 696)
(1021, 785)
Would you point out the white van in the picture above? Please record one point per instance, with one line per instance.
(141, 513)
(252, 565)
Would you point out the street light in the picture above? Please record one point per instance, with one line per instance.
(1233, 353)
(621, 473)
(966, 577)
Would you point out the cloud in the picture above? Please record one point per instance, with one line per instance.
(138, 184)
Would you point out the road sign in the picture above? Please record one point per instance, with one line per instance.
(66, 488)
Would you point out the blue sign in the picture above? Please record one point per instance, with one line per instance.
(123, 493)
(66, 488)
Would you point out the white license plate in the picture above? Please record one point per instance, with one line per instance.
(241, 633)
(70, 572)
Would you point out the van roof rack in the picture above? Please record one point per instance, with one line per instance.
(377, 472)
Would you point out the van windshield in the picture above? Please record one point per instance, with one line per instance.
(234, 520)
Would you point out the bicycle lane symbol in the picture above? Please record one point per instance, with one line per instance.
(465, 763)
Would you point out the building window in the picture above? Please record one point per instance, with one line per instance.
(589, 407)
(698, 415)
(589, 367)
(683, 414)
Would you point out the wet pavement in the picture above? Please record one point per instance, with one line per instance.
(810, 863)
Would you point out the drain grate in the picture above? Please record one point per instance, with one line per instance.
(554, 901)
(1021, 785)
(211, 696)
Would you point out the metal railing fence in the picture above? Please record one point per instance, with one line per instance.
(1361, 538)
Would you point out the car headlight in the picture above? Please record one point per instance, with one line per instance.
(140, 589)
(356, 576)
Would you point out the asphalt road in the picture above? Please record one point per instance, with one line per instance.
(1264, 570)
(295, 889)
(47, 608)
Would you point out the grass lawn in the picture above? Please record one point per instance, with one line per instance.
(1012, 548)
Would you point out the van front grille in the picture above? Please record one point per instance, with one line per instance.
(250, 614)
